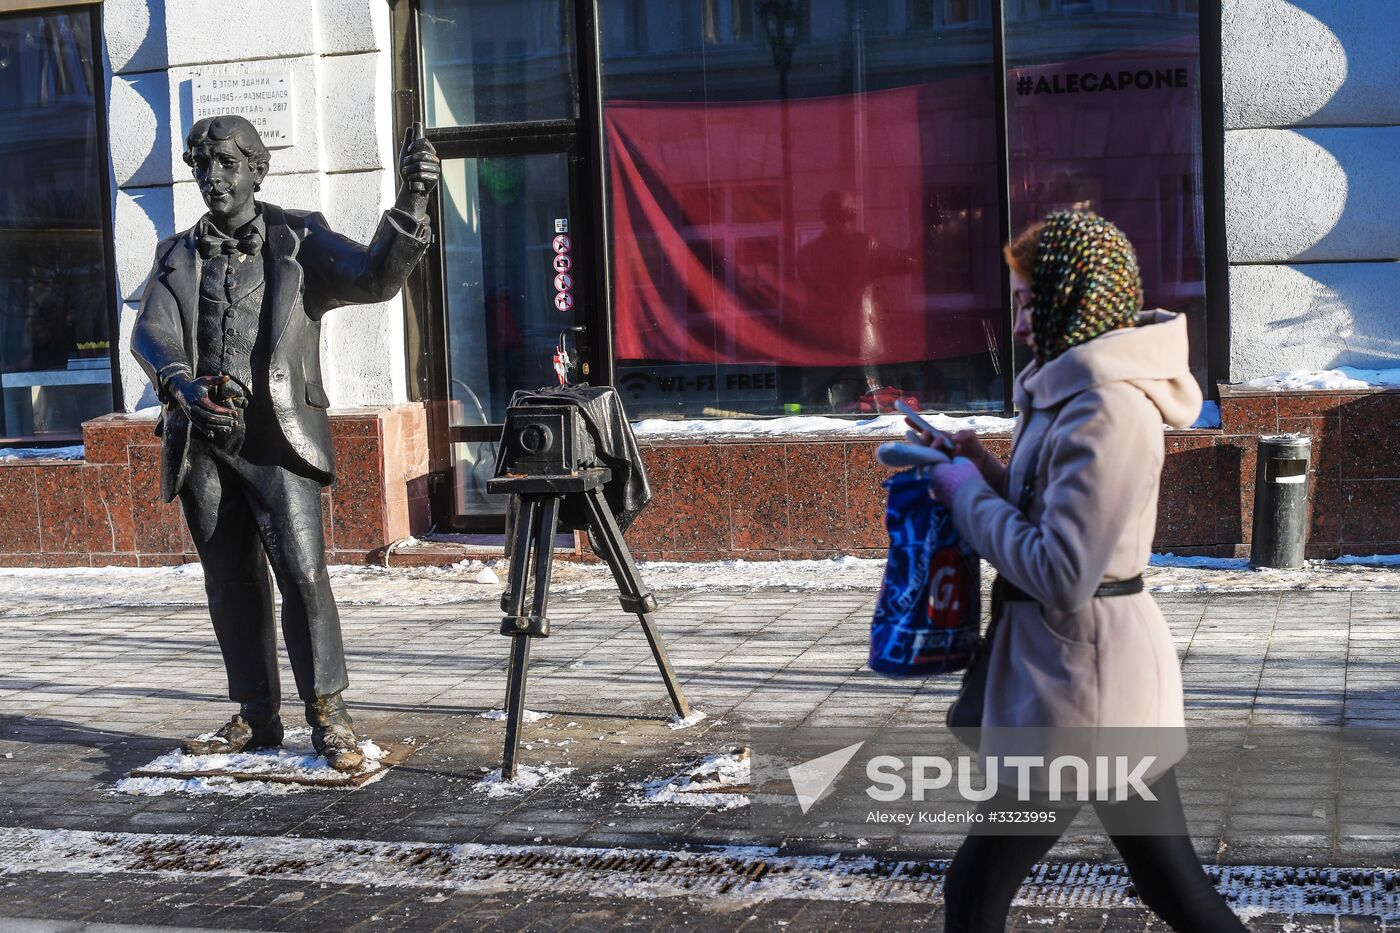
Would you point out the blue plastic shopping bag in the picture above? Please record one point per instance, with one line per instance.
(926, 619)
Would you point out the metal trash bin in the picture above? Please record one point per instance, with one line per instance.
(1281, 501)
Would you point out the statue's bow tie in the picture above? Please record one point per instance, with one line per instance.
(211, 245)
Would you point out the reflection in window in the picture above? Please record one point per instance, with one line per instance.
(497, 61)
(55, 369)
(499, 265)
(1104, 115)
(930, 14)
(959, 11)
(807, 223)
(1029, 9)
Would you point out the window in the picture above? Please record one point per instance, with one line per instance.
(777, 206)
(1105, 116)
(497, 61)
(824, 210)
(55, 292)
(817, 213)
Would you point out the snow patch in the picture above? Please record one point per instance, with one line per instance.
(527, 778)
(1343, 377)
(29, 591)
(42, 453)
(1170, 573)
(1373, 560)
(299, 762)
(879, 426)
(695, 716)
(202, 786)
(499, 715)
(1198, 563)
(731, 877)
(833, 573)
(719, 782)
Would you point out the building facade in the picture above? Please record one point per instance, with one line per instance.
(734, 208)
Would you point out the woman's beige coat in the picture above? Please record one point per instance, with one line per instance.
(1069, 658)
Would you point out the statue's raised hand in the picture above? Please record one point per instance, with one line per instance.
(421, 168)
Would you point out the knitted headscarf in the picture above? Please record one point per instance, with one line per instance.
(1085, 283)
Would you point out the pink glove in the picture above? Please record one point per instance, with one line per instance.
(948, 478)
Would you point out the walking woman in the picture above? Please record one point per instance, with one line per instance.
(1069, 526)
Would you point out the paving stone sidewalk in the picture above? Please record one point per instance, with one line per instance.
(87, 696)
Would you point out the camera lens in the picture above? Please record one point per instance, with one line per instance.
(535, 438)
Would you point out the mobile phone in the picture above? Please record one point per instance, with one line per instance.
(939, 438)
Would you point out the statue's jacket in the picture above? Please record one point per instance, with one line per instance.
(309, 269)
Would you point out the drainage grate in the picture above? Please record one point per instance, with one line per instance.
(747, 873)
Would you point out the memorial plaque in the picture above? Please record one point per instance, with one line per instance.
(264, 99)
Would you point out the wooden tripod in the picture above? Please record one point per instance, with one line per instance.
(538, 500)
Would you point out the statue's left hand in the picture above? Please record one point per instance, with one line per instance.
(421, 168)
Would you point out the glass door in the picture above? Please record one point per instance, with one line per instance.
(496, 85)
(501, 216)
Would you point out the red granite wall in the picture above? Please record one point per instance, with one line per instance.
(764, 499)
(106, 510)
(1354, 477)
(757, 499)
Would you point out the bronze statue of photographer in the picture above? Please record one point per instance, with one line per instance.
(229, 333)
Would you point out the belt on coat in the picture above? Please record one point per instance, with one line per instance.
(1012, 593)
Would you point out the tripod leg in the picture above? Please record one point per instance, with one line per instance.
(608, 539)
(513, 603)
(515, 702)
(547, 519)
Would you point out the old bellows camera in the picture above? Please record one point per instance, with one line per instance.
(545, 440)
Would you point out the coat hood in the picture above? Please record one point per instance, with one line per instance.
(1153, 357)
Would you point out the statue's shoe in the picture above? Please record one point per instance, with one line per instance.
(337, 743)
(236, 735)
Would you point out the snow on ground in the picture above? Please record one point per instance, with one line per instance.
(728, 878)
(1343, 377)
(42, 453)
(878, 426)
(527, 716)
(1374, 560)
(719, 782)
(695, 717)
(1169, 573)
(202, 787)
(27, 591)
(527, 778)
(294, 759)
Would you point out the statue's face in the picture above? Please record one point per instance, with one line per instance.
(225, 178)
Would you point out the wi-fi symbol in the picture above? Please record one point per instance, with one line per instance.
(634, 383)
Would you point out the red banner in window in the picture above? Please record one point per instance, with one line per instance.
(881, 249)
